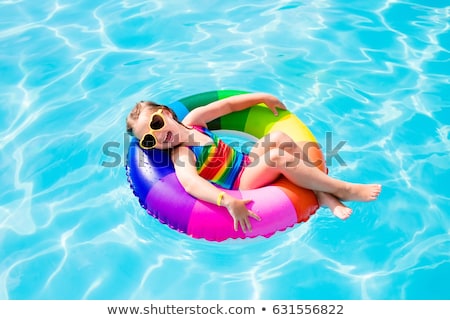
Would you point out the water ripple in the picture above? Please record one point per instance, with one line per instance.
(353, 69)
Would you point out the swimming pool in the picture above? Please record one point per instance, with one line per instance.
(373, 75)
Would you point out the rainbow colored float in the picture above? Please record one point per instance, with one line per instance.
(280, 205)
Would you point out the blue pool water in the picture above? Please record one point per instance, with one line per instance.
(374, 74)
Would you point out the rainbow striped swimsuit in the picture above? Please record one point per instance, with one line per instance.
(218, 162)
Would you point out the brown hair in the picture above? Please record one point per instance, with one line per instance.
(140, 107)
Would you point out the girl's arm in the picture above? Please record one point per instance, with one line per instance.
(202, 115)
(184, 162)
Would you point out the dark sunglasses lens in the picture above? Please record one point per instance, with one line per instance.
(148, 141)
(157, 122)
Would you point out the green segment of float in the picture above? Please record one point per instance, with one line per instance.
(258, 120)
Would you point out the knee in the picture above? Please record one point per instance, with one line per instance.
(271, 158)
(277, 158)
(282, 140)
(279, 137)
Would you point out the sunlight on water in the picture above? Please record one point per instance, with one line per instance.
(70, 227)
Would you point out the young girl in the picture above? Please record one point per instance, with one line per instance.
(192, 145)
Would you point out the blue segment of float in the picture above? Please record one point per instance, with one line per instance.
(168, 206)
(146, 167)
(180, 109)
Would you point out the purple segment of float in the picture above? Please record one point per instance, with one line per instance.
(170, 203)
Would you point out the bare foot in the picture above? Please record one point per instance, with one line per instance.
(359, 192)
(337, 207)
(342, 212)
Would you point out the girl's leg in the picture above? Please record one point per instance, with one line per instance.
(311, 154)
(306, 150)
(269, 163)
(337, 207)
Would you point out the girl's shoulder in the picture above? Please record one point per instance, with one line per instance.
(202, 115)
(194, 119)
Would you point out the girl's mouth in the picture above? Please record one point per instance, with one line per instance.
(169, 137)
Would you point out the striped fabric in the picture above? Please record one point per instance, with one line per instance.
(218, 162)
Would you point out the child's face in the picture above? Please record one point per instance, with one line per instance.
(166, 137)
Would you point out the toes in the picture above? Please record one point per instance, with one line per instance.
(343, 213)
(375, 192)
(347, 213)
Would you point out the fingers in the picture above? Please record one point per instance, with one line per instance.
(254, 216)
(279, 106)
(244, 223)
(274, 110)
(241, 219)
(282, 106)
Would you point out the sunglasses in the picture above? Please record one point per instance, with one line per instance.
(156, 123)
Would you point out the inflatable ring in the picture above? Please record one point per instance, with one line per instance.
(280, 205)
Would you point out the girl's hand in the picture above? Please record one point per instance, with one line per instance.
(273, 103)
(239, 212)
